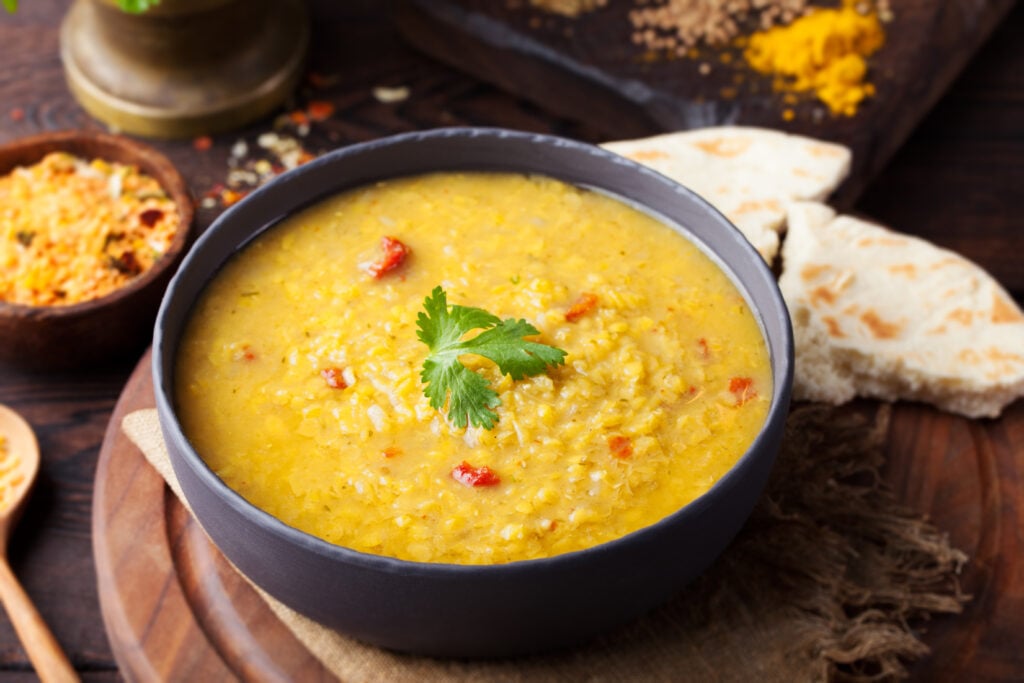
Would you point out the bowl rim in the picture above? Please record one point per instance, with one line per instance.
(781, 361)
(140, 154)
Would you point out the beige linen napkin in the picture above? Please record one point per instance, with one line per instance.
(804, 593)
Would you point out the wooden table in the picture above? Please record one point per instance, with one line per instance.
(958, 181)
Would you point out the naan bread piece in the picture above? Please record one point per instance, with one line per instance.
(749, 174)
(885, 315)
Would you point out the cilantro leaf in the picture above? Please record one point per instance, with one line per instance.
(133, 6)
(468, 394)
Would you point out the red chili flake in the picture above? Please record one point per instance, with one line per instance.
(705, 351)
(321, 81)
(320, 110)
(583, 305)
(231, 197)
(743, 389)
(246, 353)
(127, 263)
(298, 117)
(391, 452)
(304, 158)
(467, 475)
(151, 217)
(394, 254)
(202, 143)
(620, 446)
(334, 377)
(17, 114)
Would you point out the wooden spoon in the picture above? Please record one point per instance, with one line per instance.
(19, 463)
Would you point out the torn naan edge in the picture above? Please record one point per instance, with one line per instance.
(749, 174)
(885, 315)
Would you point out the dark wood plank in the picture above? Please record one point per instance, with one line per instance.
(587, 68)
(957, 180)
(968, 476)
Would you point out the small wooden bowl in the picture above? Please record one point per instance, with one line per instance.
(112, 326)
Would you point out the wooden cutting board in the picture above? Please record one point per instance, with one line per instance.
(588, 69)
(174, 609)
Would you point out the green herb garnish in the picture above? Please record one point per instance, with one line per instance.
(133, 6)
(468, 394)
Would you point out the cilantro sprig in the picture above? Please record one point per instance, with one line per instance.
(468, 394)
(133, 6)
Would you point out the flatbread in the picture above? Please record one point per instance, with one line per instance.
(885, 315)
(749, 174)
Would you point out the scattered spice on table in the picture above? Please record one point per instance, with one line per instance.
(253, 163)
(390, 94)
(824, 52)
(73, 230)
(568, 8)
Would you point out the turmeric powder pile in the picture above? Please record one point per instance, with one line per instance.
(825, 52)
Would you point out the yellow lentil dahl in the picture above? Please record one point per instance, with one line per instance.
(298, 375)
(73, 230)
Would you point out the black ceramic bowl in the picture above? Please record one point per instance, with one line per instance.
(474, 610)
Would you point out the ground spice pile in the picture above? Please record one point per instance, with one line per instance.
(675, 26)
(824, 52)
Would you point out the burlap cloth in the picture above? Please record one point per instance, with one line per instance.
(820, 584)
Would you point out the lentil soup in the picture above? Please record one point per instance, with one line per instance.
(298, 379)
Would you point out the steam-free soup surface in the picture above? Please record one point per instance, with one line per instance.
(298, 375)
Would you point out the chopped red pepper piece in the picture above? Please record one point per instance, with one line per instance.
(620, 446)
(202, 143)
(394, 255)
(743, 389)
(320, 110)
(126, 263)
(149, 217)
(705, 350)
(586, 303)
(231, 197)
(467, 475)
(335, 378)
(391, 452)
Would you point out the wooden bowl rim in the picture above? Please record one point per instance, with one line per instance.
(110, 147)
